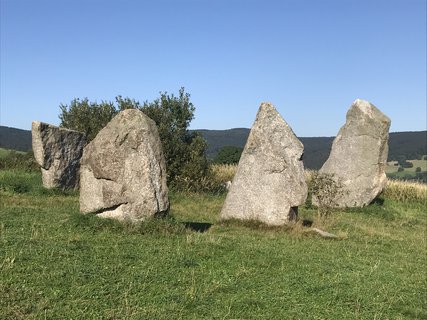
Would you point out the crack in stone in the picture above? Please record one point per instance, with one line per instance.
(99, 211)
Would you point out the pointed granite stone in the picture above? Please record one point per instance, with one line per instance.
(359, 155)
(123, 171)
(269, 183)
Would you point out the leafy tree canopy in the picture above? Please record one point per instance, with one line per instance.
(184, 150)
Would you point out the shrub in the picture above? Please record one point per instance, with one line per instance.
(325, 189)
(418, 169)
(400, 169)
(406, 164)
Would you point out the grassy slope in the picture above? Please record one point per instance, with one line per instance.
(391, 168)
(5, 152)
(57, 264)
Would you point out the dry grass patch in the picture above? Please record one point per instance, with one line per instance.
(405, 191)
(224, 172)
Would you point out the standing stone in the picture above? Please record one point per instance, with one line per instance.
(269, 183)
(123, 173)
(58, 152)
(359, 155)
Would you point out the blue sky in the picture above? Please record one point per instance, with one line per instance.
(310, 58)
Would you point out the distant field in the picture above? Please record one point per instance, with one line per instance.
(391, 167)
(5, 152)
(407, 173)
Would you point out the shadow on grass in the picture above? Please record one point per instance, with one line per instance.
(253, 225)
(198, 226)
(167, 225)
(307, 223)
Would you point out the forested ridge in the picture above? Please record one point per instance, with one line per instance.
(410, 145)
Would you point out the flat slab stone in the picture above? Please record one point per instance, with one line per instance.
(58, 152)
(269, 183)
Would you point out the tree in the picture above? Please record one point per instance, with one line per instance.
(418, 169)
(228, 155)
(87, 117)
(407, 164)
(184, 151)
(400, 169)
(404, 163)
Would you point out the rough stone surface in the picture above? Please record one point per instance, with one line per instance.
(58, 152)
(359, 155)
(269, 183)
(123, 172)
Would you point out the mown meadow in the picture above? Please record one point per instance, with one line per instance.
(58, 264)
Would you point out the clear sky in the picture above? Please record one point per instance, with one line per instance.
(310, 58)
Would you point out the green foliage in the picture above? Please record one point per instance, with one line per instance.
(184, 151)
(87, 117)
(418, 169)
(326, 189)
(400, 169)
(228, 155)
(405, 164)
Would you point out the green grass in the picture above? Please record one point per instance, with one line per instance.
(6, 152)
(58, 264)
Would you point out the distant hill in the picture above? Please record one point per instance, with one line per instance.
(15, 139)
(316, 150)
(410, 145)
(219, 138)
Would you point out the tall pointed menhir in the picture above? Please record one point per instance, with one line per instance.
(359, 155)
(269, 183)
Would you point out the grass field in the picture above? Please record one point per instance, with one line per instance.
(58, 264)
(392, 168)
(5, 152)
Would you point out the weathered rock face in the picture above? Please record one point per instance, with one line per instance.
(359, 155)
(269, 183)
(123, 172)
(58, 152)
